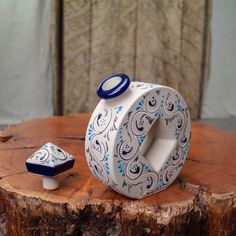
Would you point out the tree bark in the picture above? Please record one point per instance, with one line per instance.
(202, 201)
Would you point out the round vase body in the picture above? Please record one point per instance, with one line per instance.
(137, 142)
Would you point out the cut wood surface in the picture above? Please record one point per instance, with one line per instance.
(202, 201)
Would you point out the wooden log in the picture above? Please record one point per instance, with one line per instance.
(201, 202)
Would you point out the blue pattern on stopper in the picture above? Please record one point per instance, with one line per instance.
(49, 160)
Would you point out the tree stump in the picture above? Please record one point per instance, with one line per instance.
(202, 201)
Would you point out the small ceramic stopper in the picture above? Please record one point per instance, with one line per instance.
(113, 86)
(49, 161)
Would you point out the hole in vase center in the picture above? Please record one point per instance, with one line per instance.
(158, 144)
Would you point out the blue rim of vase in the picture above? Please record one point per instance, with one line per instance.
(116, 85)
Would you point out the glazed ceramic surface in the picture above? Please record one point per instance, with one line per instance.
(137, 142)
(49, 160)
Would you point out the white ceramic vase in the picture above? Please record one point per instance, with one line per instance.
(138, 138)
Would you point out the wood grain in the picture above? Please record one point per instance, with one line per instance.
(202, 201)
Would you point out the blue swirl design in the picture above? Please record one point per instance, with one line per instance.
(138, 176)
